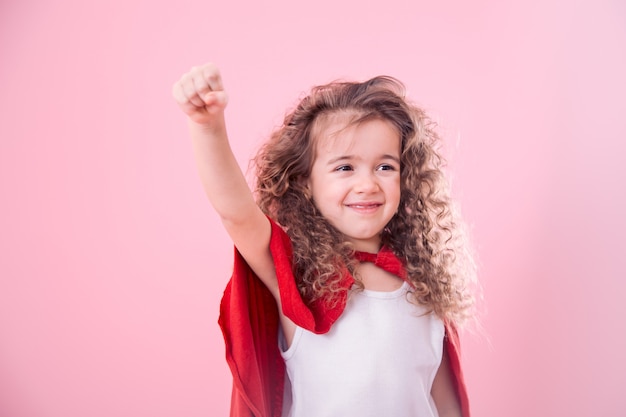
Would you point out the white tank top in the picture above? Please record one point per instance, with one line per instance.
(378, 359)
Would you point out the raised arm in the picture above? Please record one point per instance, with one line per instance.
(201, 96)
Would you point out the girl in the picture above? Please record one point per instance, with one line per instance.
(348, 282)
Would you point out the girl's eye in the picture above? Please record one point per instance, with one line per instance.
(344, 168)
(386, 167)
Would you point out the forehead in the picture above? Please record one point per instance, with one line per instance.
(345, 132)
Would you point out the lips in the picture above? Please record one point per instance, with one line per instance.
(364, 206)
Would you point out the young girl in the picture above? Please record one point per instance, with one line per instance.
(348, 281)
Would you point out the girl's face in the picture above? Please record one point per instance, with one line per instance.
(355, 178)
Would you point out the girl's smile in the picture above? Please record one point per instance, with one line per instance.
(355, 178)
(364, 207)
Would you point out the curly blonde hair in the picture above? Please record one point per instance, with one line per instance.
(425, 233)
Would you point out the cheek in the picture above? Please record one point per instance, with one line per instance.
(394, 187)
(397, 195)
(328, 198)
(326, 195)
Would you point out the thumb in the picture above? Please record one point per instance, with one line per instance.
(217, 99)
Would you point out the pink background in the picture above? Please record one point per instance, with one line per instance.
(112, 263)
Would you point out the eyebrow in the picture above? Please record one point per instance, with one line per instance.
(351, 157)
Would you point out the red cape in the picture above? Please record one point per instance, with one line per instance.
(249, 321)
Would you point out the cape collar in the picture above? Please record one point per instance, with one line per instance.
(384, 259)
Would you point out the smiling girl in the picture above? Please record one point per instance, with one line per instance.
(351, 274)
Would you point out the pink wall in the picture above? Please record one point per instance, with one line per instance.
(112, 263)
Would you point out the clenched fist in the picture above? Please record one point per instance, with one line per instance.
(200, 94)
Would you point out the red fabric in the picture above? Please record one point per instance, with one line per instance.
(249, 322)
(384, 259)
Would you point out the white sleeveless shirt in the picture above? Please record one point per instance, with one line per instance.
(379, 359)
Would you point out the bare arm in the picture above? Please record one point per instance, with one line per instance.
(443, 391)
(201, 96)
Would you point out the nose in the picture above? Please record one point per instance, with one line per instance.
(366, 182)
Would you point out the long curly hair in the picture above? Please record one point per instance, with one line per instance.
(425, 233)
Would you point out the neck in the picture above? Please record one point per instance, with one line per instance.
(372, 246)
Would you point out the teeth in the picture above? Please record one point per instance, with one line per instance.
(364, 205)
